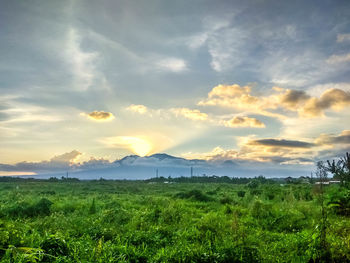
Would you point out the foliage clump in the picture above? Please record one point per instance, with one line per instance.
(186, 221)
(195, 194)
(25, 209)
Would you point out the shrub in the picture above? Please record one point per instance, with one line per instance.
(195, 195)
(253, 184)
(92, 208)
(260, 210)
(241, 193)
(43, 207)
(255, 191)
(24, 209)
(340, 202)
(226, 200)
(54, 246)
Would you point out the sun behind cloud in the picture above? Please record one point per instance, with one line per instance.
(137, 145)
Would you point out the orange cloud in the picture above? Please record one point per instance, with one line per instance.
(335, 99)
(99, 115)
(241, 98)
(327, 139)
(230, 96)
(243, 122)
(69, 157)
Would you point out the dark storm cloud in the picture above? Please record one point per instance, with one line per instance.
(342, 138)
(283, 143)
(293, 97)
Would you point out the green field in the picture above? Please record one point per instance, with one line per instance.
(144, 221)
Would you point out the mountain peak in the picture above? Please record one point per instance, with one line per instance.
(127, 158)
(162, 156)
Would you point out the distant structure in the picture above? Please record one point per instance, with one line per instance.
(191, 171)
(329, 182)
(157, 173)
(67, 175)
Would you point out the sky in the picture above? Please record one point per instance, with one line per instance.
(256, 82)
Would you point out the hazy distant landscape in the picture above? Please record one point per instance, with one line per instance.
(135, 167)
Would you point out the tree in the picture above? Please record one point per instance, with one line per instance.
(323, 254)
(340, 168)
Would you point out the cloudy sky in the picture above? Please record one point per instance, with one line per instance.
(256, 81)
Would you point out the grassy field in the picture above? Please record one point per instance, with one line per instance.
(125, 221)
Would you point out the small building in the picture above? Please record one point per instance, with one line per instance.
(328, 182)
(325, 183)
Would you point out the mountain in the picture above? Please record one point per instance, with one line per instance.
(136, 167)
(162, 156)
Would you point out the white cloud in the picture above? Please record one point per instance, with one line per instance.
(190, 114)
(226, 48)
(172, 64)
(83, 64)
(335, 59)
(316, 90)
(142, 109)
(21, 112)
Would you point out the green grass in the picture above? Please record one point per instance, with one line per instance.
(125, 221)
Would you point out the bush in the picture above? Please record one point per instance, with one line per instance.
(54, 246)
(194, 195)
(24, 209)
(226, 200)
(241, 193)
(340, 202)
(260, 210)
(253, 184)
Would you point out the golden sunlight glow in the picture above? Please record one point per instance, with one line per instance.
(135, 144)
(14, 173)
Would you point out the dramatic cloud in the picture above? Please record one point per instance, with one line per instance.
(230, 96)
(217, 154)
(335, 59)
(58, 162)
(256, 154)
(190, 114)
(66, 157)
(243, 122)
(291, 99)
(135, 144)
(235, 96)
(343, 138)
(99, 115)
(331, 99)
(142, 109)
(162, 58)
(282, 143)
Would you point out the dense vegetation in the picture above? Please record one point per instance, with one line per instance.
(160, 221)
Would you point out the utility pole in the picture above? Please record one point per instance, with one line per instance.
(191, 171)
(157, 173)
